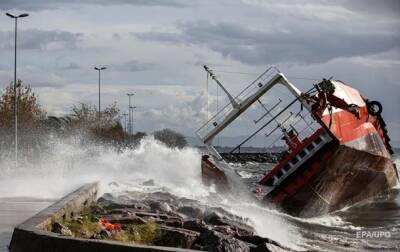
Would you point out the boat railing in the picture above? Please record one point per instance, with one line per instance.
(248, 91)
(304, 126)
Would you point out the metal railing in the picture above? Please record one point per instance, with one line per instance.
(250, 90)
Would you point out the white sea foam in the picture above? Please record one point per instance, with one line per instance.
(67, 166)
(329, 221)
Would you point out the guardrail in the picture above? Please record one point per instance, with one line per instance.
(250, 90)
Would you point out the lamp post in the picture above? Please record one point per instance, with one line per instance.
(130, 113)
(15, 17)
(131, 109)
(99, 69)
(126, 128)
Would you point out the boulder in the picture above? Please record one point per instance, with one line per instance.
(269, 247)
(212, 240)
(174, 222)
(147, 215)
(255, 239)
(218, 219)
(61, 229)
(213, 218)
(118, 218)
(194, 225)
(262, 243)
(160, 206)
(191, 211)
(104, 234)
(176, 237)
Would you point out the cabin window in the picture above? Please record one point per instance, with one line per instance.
(318, 140)
(294, 160)
(302, 153)
(310, 147)
(279, 174)
(270, 181)
(287, 167)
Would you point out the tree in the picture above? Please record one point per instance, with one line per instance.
(85, 119)
(86, 116)
(29, 112)
(30, 117)
(171, 138)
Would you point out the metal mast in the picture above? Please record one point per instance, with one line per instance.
(99, 69)
(130, 113)
(15, 85)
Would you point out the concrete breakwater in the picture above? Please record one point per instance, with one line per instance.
(34, 234)
(182, 225)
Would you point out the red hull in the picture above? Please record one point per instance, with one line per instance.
(346, 161)
(336, 177)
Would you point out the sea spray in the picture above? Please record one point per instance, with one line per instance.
(69, 163)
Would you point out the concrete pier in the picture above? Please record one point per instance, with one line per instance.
(34, 234)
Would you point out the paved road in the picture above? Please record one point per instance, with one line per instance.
(14, 211)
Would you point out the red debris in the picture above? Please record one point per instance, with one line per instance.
(109, 226)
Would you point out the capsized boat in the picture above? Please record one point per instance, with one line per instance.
(337, 146)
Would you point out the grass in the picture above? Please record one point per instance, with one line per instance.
(86, 229)
(132, 233)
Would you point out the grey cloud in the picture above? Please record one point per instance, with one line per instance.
(41, 40)
(302, 43)
(374, 6)
(385, 7)
(160, 36)
(116, 36)
(70, 66)
(133, 66)
(56, 4)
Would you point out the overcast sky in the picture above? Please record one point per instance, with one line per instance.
(156, 48)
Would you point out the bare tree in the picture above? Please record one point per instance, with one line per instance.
(171, 138)
(30, 118)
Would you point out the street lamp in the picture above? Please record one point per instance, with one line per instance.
(131, 109)
(15, 84)
(126, 128)
(130, 112)
(99, 69)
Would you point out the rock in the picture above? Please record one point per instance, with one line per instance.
(191, 211)
(195, 225)
(211, 240)
(105, 205)
(240, 228)
(268, 247)
(161, 196)
(263, 244)
(160, 206)
(174, 222)
(139, 206)
(104, 234)
(79, 219)
(61, 229)
(117, 218)
(227, 230)
(213, 218)
(124, 212)
(152, 215)
(176, 237)
(255, 239)
(149, 182)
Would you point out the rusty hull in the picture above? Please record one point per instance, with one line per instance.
(356, 171)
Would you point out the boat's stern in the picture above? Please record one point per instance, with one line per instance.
(212, 175)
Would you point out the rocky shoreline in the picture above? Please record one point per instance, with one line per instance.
(162, 219)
